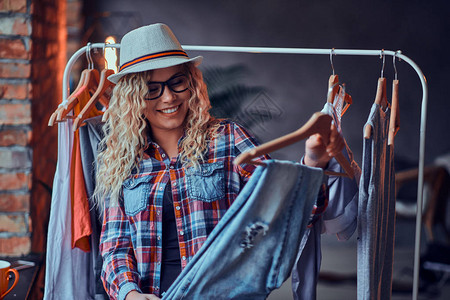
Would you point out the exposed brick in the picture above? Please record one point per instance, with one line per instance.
(14, 48)
(15, 246)
(15, 26)
(13, 223)
(22, 27)
(13, 158)
(15, 181)
(14, 137)
(15, 114)
(10, 202)
(15, 70)
(13, 6)
(20, 91)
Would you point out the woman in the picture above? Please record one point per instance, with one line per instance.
(156, 216)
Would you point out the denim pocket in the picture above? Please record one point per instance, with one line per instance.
(136, 192)
(206, 183)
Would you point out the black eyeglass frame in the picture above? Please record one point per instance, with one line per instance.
(163, 85)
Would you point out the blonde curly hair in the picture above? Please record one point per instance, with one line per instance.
(126, 130)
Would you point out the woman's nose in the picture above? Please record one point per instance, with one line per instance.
(167, 95)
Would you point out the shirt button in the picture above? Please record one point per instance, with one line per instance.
(171, 167)
(181, 232)
(163, 155)
(158, 237)
(161, 188)
(183, 258)
(156, 288)
(177, 208)
(174, 183)
(158, 212)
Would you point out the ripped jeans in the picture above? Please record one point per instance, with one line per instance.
(252, 249)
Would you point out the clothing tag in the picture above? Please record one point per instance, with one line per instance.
(338, 105)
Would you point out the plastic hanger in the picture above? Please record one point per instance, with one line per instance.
(319, 123)
(394, 121)
(380, 98)
(103, 85)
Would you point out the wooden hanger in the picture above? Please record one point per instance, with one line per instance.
(381, 97)
(103, 85)
(90, 84)
(88, 80)
(334, 89)
(381, 100)
(319, 123)
(394, 121)
(52, 119)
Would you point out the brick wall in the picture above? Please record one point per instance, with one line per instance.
(15, 127)
(48, 62)
(32, 60)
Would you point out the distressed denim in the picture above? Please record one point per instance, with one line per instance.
(252, 249)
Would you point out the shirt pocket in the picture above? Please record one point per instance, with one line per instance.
(136, 192)
(206, 183)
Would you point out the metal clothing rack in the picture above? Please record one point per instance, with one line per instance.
(330, 52)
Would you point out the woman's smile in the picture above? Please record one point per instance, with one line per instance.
(170, 110)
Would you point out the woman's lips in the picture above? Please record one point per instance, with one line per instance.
(169, 110)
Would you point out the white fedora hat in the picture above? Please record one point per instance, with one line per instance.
(148, 48)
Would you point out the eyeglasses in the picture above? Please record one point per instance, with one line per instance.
(177, 84)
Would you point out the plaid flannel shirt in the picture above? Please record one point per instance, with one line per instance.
(132, 230)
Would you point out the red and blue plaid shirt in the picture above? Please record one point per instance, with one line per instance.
(131, 240)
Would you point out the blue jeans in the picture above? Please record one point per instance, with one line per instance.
(252, 249)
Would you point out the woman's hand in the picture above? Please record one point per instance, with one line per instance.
(317, 154)
(135, 295)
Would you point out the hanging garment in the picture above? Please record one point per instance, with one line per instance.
(66, 272)
(90, 137)
(338, 218)
(252, 249)
(376, 212)
(81, 221)
(69, 271)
